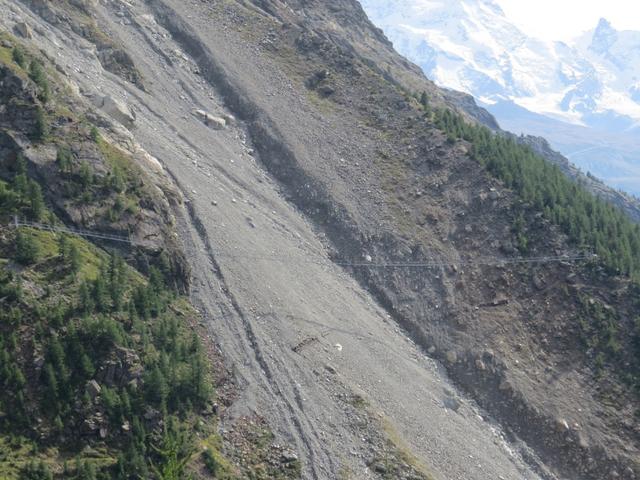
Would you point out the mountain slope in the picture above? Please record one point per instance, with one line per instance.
(329, 216)
(471, 46)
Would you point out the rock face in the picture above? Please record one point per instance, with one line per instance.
(122, 368)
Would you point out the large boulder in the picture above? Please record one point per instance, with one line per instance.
(217, 123)
(23, 29)
(117, 110)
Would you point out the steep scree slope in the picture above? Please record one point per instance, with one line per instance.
(330, 161)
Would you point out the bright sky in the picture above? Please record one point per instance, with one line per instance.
(565, 19)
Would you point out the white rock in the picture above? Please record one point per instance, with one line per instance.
(227, 117)
(117, 110)
(217, 123)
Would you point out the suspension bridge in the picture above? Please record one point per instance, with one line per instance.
(369, 263)
(17, 223)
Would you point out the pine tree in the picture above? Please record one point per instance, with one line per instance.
(86, 304)
(36, 201)
(100, 293)
(156, 388)
(40, 127)
(64, 160)
(51, 381)
(63, 246)
(36, 471)
(86, 176)
(424, 100)
(18, 57)
(37, 74)
(27, 249)
(75, 259)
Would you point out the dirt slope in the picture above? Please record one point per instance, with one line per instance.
(325, 163)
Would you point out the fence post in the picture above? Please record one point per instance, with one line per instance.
(15, 221)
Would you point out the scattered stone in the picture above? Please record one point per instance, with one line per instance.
(93, 388)
(38, 362)
(562, 425)
(499, 299)
(452, 357)
(216, 123)
(289, 457)
(380, 468)
(538, 282)
(505, 385)
(24, 30)
(228, 118)
(452, 403)
(331, 369)
(326, 90)
(582, 441)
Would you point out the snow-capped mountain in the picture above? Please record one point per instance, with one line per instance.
(470, 45)
(591, 84)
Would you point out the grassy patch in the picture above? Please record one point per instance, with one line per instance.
(214, 461)
(14, 454)
(7, 58)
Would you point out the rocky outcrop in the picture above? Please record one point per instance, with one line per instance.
(117, 109)
(123, 367)
(24, 30)
(211, 121)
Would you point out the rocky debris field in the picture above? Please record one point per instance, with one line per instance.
(280, 181)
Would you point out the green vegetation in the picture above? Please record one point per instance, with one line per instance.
(37, 74)
(19, 57)
(101, 375)
(109, 317)
(600, 331)
(589, 222)
(94, 133)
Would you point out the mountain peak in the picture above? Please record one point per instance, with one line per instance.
(604, 36)
(493, 5)
(604, 24)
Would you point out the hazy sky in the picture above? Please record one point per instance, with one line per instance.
(564, 19)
